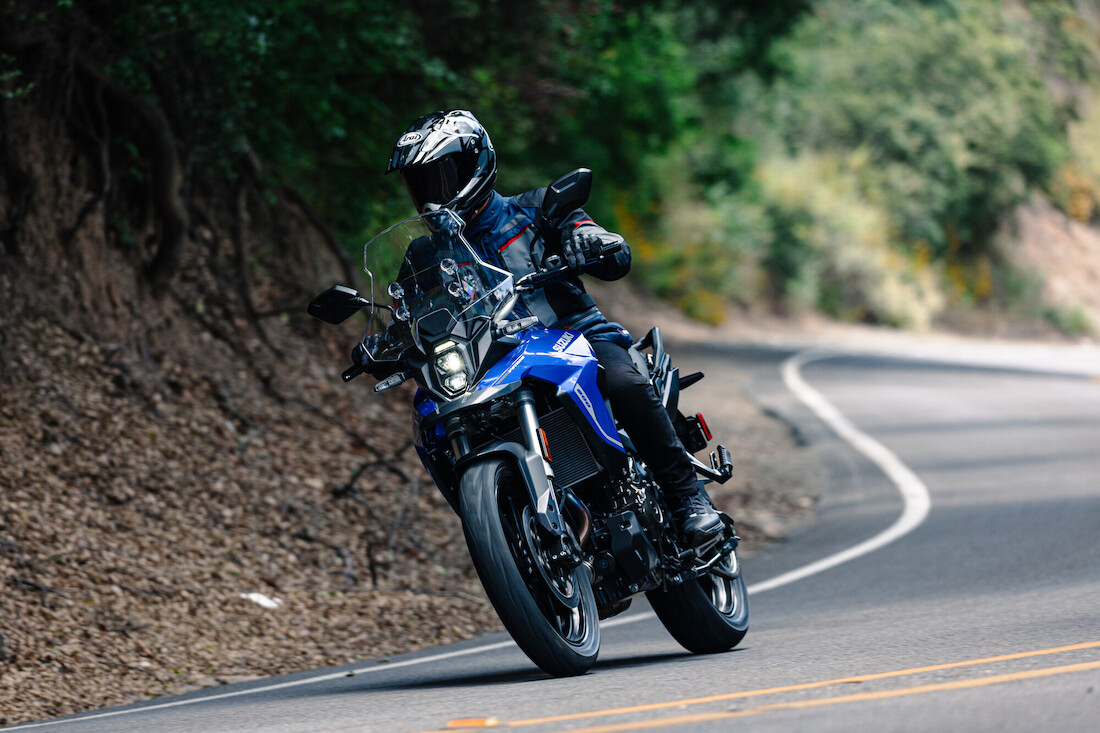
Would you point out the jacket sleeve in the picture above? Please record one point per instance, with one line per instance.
(613, 266)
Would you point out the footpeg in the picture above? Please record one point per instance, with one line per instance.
(712, 565)
(720, 469)
(722, 463)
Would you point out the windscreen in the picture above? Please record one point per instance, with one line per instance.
(424, 265)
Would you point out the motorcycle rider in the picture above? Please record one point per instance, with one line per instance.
(446, 160)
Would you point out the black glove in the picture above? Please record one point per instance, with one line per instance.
(360, 355)
(363, 352)
(579, 249)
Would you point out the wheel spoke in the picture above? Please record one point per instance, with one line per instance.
(547, 584)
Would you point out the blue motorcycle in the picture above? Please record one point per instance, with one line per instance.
(564, 522)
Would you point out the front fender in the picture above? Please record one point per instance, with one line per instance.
(533, 470)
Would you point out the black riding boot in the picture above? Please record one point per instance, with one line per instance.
(647, 423)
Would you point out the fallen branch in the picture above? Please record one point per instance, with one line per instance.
(45, 590)
(349, 567)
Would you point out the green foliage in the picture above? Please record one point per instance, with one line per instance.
(832, 249)
(854, 156)
(1071, 321)
(890, 141)
(9, 79)
(944, 99)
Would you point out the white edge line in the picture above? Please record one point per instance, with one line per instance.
(914, 494)
(377, 666)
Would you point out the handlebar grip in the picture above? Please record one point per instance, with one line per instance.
(352, 372)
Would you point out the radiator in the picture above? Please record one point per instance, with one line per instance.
(573, 461)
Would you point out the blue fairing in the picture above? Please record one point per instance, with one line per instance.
(562, 358)
(425, 406)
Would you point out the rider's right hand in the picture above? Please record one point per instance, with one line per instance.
(365, 352)
(361, 354)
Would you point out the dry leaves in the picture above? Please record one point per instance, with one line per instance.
(145, 489)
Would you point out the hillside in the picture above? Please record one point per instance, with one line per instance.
(167, 445)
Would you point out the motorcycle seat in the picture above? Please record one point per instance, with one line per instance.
(639, 360)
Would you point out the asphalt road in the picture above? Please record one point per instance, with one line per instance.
(982, 612)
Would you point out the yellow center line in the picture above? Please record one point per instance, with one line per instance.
(796, 688)
(857, 697)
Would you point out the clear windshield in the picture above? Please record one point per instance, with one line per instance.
(424, 265)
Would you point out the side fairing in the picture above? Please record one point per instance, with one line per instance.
(424, 406)
(564, 359)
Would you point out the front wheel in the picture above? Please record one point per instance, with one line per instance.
(707, 615)
(549, 610)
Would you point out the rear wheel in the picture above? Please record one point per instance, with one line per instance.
(548, 609)
(707, 615)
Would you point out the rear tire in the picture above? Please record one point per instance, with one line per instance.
(550, 612)
(707, 615)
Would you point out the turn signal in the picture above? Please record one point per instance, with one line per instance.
(545, 445)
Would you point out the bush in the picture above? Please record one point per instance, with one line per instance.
(833, 250)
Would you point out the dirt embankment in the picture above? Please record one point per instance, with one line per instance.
(143, 496)
(166, 451)
(1065, 253)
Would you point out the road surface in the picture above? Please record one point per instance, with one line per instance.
(963, 518)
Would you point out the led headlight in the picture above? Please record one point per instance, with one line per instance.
(450, 363)
(455, 382)
(451, 367)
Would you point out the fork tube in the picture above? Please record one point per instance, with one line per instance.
(459, 442)
(529, 425)
(528, 420)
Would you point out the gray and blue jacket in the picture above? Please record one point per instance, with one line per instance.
(504, 235)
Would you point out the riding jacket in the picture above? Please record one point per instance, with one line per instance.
(504, 235)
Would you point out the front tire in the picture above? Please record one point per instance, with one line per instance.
(707, 615)
(550, 612)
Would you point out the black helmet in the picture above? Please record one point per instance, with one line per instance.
(447, 162)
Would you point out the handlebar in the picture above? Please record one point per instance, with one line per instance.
(555, 268)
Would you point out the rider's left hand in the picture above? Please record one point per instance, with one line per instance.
(580, 249)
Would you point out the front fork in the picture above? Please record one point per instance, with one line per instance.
(537, 474)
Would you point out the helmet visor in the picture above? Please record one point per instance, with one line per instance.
(439, 181)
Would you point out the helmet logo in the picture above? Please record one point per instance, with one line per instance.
(409, 138)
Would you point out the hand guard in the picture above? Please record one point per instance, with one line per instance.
(361, 356)
(580, 249)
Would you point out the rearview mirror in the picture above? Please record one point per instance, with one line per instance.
(337, 304)
(566, 195)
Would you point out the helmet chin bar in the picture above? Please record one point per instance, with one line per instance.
(473, 210)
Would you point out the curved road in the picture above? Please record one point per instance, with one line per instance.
(982, 613)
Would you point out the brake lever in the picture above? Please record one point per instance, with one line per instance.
(555, 269)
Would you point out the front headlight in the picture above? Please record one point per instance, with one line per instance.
(455, 382)
(451, 367)
(450, 363)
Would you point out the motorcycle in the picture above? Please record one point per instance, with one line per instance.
(564, 522)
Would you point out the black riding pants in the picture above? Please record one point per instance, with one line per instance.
(638, 408)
